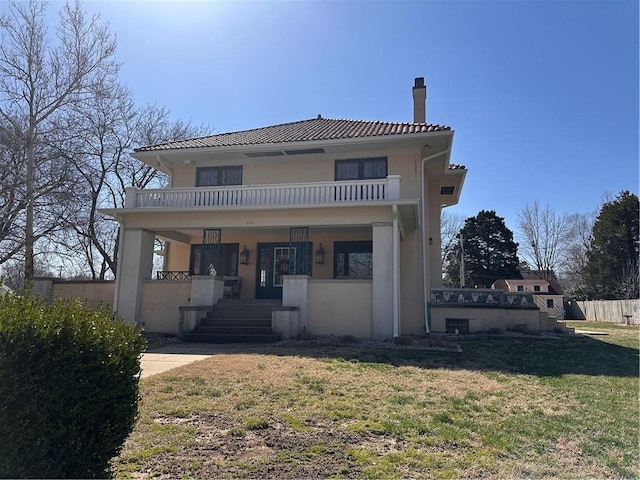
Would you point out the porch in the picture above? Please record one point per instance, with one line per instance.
(308, 306)
(348, 285)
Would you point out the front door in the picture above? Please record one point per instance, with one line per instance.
(275, 260)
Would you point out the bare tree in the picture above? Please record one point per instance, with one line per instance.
(575, 261)
(39, 80)
(108, 127)
(543, 237)
(451, 223)
(628, 281)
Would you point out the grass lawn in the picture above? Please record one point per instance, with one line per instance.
(504, 407)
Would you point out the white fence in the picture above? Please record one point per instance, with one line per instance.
(316, 193)
(612, 311)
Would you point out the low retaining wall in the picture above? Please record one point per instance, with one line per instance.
(340, 307)
(479, 310)
(159, 309)
(481, 319)
(90, 292)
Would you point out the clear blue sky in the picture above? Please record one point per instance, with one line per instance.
(543, 95)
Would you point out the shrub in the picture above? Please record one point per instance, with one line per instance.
(68, 387)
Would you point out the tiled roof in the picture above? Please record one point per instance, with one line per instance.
(303, 131)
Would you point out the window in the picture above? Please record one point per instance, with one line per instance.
(361, 168)
(218, 176)
(227, 265)
(456, 325)
(536, 288)
(353, 259)
(550, 303)
(520, 288)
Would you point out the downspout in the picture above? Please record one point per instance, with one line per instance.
(116, 292)
(425, 294)
(395, 247)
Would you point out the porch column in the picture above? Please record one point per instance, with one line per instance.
(295, 293)
(382, 284)
(135, 264)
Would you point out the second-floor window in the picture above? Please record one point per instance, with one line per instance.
(218, 176)
(361, 168)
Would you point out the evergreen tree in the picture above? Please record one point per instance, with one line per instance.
(489, 252)
(612, 258)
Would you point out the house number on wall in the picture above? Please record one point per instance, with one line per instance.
(251, 222)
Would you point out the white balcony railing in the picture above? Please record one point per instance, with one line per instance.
(317, 193)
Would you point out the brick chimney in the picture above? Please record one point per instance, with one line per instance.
(419, 101)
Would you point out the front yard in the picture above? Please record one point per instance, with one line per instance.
(504, 407)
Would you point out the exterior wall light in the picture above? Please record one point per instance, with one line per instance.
(320, 255)
(244, 255)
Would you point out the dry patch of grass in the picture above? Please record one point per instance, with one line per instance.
(502, 408)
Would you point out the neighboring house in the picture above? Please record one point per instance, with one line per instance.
(339, 218)
(546, 296)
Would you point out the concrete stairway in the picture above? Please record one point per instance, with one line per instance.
(552, 325)
(236, 321)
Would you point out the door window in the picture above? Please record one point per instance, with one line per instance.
(283, 259)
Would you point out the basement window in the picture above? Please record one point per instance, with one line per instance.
(457, 325)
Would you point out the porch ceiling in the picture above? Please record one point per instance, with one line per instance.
(344, 215)
(186, 235)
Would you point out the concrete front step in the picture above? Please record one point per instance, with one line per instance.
(236, 321)
(219, 330)
(230, 338)
(239, 314)
(242, 322)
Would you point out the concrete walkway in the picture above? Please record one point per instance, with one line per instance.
(159, 359)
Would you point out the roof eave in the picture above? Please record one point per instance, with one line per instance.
(401, 138)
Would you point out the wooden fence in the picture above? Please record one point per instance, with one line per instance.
(612, 311)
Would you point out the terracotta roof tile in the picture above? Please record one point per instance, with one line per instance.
(303, 131)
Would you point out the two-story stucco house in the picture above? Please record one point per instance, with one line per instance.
(338, 218)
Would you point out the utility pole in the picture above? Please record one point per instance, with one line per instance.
(461, 238)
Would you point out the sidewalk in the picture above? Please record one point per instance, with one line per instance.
(158, 359)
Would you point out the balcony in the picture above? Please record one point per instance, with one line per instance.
(316, 193)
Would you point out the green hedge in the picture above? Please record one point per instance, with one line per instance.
(68, 387)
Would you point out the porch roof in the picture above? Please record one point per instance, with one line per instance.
(315, 129)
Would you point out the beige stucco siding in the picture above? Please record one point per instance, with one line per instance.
(310, 169)
(340, 307)
(411, 295)
(93, 293)
(159, 306)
